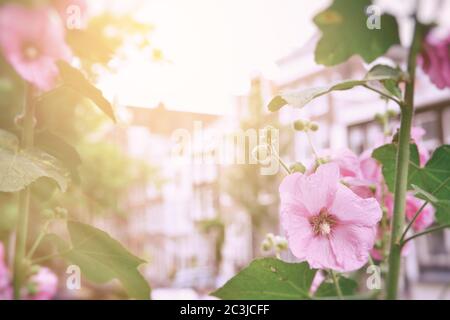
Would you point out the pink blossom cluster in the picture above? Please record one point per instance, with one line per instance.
(332, 213)
(42, 285)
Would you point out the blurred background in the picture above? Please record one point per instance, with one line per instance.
(172, 64)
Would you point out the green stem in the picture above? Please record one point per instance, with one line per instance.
(381, 93)
(24, 200)
(438, 228)
(38, 240)
(277, 156)
(336, 283)
(402, 163)
(411, 223)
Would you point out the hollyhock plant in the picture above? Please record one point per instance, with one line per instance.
(34, 41)
(327, 224)
(435, 60)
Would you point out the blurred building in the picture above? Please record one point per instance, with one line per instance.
(346, 119)
(191, 236)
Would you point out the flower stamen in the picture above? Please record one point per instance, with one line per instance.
(323, 223)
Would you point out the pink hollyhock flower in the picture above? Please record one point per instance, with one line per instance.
(327, 224)
(366, 176)
(45, 285)
(32, 41)
(6, 292)
(425, 218)
(435, 61)
(413, 204)
(346, 160)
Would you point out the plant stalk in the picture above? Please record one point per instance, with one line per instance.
(27, 141)
(402, 163)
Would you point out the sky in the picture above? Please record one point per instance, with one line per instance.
(213, 48)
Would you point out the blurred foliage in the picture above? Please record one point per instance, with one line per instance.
(72, 130)
(218, 227)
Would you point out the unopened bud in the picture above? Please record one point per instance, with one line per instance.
(300, 125)
(297, 167)
(61, 213)
(266, 245)
(281, 243)
(313, 126)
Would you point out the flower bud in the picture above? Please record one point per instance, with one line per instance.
(297, 167)
(313, 126)
(61, 213)
(266, 245)
(300, 125)
(48, 214)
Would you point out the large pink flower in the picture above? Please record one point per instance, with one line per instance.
(45, 284)
(435, 60)
(327, 224)
(32, 40)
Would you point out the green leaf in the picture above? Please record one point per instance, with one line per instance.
(328, 289)
(299, 99)
(60, 149)
(345, 33)
(387, 155)
(268, 278)
(20, 168)
(75, 79)
(102, 259)
(432, 181)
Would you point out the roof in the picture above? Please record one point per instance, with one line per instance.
(163, 121)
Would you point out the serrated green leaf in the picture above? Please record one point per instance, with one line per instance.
(102, 259)
(432, 179)
(328, 289)
(20, 168)
(74, 79)
(387, 155)
(345, 33)
(268, 278)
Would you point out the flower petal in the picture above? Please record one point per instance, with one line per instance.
(351, 245)
(350, 208)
